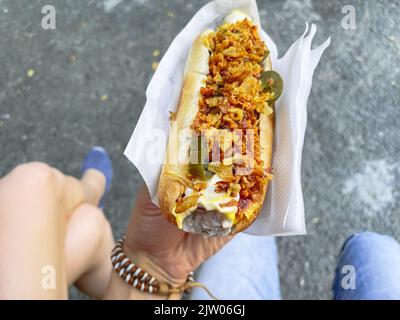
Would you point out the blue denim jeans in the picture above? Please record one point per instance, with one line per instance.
(247, 268)
(375, 261)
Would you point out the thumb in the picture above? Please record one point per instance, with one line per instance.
(143, 200)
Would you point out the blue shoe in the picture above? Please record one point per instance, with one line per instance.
(97, 158)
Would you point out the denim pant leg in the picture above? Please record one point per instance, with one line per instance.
(374, 260)
(245, 268)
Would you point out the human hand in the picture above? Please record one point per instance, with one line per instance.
(171, 252)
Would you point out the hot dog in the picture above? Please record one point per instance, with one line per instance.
(215, 176)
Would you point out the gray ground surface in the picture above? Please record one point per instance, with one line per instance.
(351, 154)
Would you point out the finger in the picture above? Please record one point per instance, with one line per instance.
(143, 200)
(205, 247)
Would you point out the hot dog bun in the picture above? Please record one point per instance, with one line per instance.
(175, 184)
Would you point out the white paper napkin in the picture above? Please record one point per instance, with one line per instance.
(283, 210)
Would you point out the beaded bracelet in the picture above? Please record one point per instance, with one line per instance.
(142, 280)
